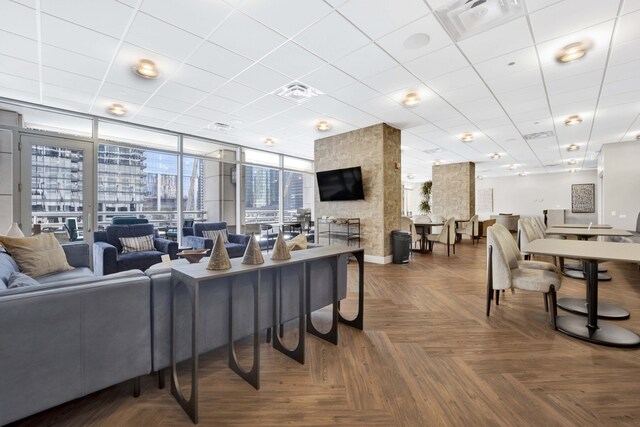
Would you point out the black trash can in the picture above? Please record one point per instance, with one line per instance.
(401, 246)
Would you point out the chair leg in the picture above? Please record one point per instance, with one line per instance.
(136, 387)
(268, 335)
(161, 378)
(554, 307)
(489, 279)
(497, 297)
(546, 302)
(454, 248)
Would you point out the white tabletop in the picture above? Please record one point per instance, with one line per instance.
(585, 249)
(597, 226)
(586, 232)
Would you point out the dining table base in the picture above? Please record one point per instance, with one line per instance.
(604, 333)
(605, 311)
(577, 274)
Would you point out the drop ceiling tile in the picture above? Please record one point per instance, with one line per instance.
(576, 82)
(76, 96)
(221, 104)
(331, 38)
(246, 36)
(355, 92)
(523, 60)
(288, 17)
(622, 71)
(19, 20)
(197, 78)
(160, 37)
(107, 17)
(196, 16)
(355, 117)
(515, 81)
(396, 43)
(327, 79)
(569, 16)
(181, 92)
(124, 94)
(293, 61)
(365, 62)
(437, 63)
(69, 80)
(394, 79)
(66, 35)
(302, 114)
(262, 78)
(11, 92)
(621, 86)
(66, 104)
(628, 28)
(252, 114)
(376, 106)
(630, 6)
(28, 3)
(509, 37)
(211, 116)
(624, 53)
(18, 47)
(66, 60)
(121, 72)
(454, 80)
(379, 17)
(533, 5)
(215, 59)
(157, 112)
(239, 92)
(19, 67)
(167, 104)
(273, 104)
(19, 83)
(190, 121)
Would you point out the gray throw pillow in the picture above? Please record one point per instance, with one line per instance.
(20, 280)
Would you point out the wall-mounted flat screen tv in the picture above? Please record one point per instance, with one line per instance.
(340, 184)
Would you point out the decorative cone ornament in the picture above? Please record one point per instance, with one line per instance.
(14, 231)
(253, 254)
(219, 257)
(280, 250)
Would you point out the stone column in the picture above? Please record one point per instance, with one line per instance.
(376, 149)
(454, 190)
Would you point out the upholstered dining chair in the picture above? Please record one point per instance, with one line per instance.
(512, 249)
(406, 224)
(470, 228)
(437, 219)
(503, 272)
(447, 236)
(526, 234)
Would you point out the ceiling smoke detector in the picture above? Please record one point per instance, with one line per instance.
(220, 127)
(463, 18)
(539, 135)
(297, 92)
(433, 150)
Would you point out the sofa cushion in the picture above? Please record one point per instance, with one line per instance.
(7, 266)
(66, 275)
(115, 232)
(137, 244)
(138, 260)
(199, 227)
(235, 250)
(37, 255)
(20, 280)
(213, 235)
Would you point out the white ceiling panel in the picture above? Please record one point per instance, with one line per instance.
(394, 79)
(246, 36)
(66, 60)
(19, 67)
(18, 47)
(366, 62)
(19, 20)
(327, 79)
(181, 92)
(379, 17)
(218, 60)
(66, 35)
(158, 36)
(262, 78)
(288, 17)
(197, 78)
(239, 92)
(196, 16)
(69, 80)
(220, 104)
(167, 104)
(19, 83)
(293, 61)
(437, 63)
(354, 93)
(273, 104)
(124, 94)
(455, 80)
(331, 38)
(106, 16)
(396, 43)
(499, 41)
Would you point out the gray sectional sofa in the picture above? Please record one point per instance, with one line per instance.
(72, 335)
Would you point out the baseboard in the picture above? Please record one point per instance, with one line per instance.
(378, 259)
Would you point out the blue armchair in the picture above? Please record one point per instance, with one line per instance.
(195, 238)
(107, 250)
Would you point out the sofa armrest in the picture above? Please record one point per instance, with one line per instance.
(105, 259)
(242, 239)
(197, 242)
(187, 231)
(167, 246)
(77, 254)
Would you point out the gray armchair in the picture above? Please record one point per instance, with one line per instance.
(195, 238)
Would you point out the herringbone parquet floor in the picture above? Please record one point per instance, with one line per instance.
(428, 357)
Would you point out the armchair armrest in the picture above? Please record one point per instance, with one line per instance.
(187, 231)
(242, 239)
(167, 246)
(105, 259)
(77, 254)
(197, 242)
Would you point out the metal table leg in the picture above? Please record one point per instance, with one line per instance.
(332, 334)
(296, 354)
(358, 321)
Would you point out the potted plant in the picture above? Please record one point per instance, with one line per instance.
(425, 192)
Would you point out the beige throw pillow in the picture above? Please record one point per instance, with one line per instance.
(38, 255)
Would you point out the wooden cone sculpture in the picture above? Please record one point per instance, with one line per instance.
(280, 250)
(219, 257)
(253, 254)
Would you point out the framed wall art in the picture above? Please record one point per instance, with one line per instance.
(583, 198)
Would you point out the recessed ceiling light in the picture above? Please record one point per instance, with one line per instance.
(480, 177)
(572, 161)
(573, 170)
(437, 162)
(467, 137)
(573, 120)
(573, 147)
(495, 156)
(573, 52)
(512, 167)
(522, 174)
(416, 41)
(117, 109)
(411, 99)
(147, 69)
(323, 126)
(411, 176)
(220, 127)
(269, 142)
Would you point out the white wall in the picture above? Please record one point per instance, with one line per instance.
(621, 184)
(413, 197)
(530, 195)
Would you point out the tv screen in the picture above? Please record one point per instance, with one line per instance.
(340, 184)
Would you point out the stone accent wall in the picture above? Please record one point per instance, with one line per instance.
(454, 190)
(376, 149)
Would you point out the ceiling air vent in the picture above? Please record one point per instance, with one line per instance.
(433, 150)
(463, 18)
(220, 127)
(297, 92)
(539, 135)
